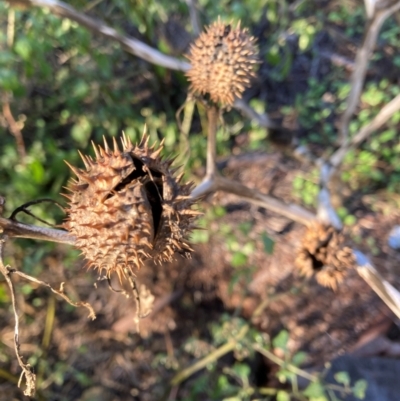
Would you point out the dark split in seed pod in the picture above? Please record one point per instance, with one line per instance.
(222, 62)
(129, 206)
(323, 253)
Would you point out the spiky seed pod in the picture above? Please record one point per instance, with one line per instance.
(222, 62)
(128, 206)
(324, 254)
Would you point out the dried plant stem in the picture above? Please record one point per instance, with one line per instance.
(207, 185)
(212, 117)
(49, 325)
(184, 128)
(262, 119)
(194, 16)
(15, 130)
(30, 377)
(380, 119)
(135, 292)
(361, 64)
(14, 229)
(297, 371)
(389, 295)
(228, 346)
(59, 292)
(10, 28)
(293, 212)
(211, 357)
(294, 369)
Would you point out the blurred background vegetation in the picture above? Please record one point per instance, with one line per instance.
(65, 87)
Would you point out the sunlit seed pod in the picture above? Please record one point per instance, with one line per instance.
(128, 206)
(222, 62)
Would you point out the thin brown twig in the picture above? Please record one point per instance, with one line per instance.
(14, 229)
(262, 119)
(207, 185)
(212, 119)
(15, 130)
(388, 294)
(27, 372)
(59, 292)
(291, 211)
(184, 128)
(23, 208)
(337, 59)
(10, 28)
(194, 16)
(212, 357)
(217, 183)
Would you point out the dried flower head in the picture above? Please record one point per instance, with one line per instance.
(324, 254)
(222, 62)
(128, 206)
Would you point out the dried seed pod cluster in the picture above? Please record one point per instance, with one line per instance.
(222, 62)
(324, 254)
(128, 206)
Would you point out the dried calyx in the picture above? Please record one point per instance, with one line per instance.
(222, 62)
(323, 253)
(127, 207)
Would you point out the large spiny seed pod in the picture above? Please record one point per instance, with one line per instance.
(222, 62)
(128, 206)
(324, 254)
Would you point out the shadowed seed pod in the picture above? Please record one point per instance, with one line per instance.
(127, 207)
(324, 254)
(222, 62)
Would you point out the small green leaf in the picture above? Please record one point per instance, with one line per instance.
(342, 378)
(268, 243)
(359, 389)
(8, 79)
(80, 89)
(299, 358)
(23, 48)
(37, 171)
(199, 237)
(239, 259)
(219, 211)
(281, 340)
(273, 57)
(298, 183)
(242, 370)
(349, 220)
(245, 227)
(81, 130)
(285, 376)
(4, 297)
(282, 396)
(315, 391)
